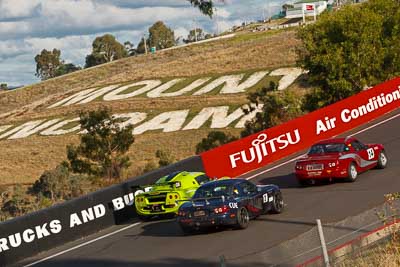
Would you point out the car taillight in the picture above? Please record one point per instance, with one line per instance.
(299, 167)
(181, 213)
(176, 196)
(223, 209)
(170, 196)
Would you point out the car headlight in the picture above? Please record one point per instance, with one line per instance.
(178, 184)
(332, 164)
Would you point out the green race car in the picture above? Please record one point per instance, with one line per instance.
(166, 195)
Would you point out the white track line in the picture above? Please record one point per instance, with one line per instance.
(82, 245)
(135, 224)
(291, 160)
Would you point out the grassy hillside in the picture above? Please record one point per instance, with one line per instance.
(23, 160)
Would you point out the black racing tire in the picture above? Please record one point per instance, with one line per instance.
(243, 218)
(352, 172)
(186, 230)
(278, 204)
(303, 182)
(167, 216)
(144, 218)
(382, 160)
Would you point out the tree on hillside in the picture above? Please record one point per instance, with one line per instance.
(141, 48)
(47, 63)
(195, 35)
(130, 49)
(66, 68)
(17, 202)
(105, 49)
(58, 184)
(349, 50)
(103, 146)
(3, 86)
(214, 139)
(161, 36)
(278, 107)
(205, 6)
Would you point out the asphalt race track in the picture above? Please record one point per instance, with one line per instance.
(161, 243)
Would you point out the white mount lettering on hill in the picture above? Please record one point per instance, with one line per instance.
(228, 84)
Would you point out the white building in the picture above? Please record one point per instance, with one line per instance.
(297, 10)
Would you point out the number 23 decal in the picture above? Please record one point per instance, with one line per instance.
(371, 153)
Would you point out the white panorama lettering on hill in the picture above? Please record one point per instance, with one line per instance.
(28, 129)
(167, 122)
(219, 118)
(231, 84)
(58, 129)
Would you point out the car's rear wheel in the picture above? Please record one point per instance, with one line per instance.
(382, 160)
(303, 182)
(277, 204)
(144, 218)
(187, 230)
(352, 172)
(243, 218)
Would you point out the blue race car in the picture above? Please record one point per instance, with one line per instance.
(228, 202)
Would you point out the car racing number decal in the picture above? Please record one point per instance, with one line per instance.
(267, 199)
(371, 153)
(233, 205)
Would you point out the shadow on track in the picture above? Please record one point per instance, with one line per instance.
(171, 228)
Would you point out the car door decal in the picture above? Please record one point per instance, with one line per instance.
(360, 161)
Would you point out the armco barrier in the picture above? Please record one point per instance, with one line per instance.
(29, 235)
(265, 147)
(364, 240)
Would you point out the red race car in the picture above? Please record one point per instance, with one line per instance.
(339, 158)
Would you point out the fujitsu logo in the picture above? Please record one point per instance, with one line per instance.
(262, 147)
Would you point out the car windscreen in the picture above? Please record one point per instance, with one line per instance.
(326, 148)
(214, 190)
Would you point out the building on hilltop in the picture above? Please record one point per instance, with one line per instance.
(306, 8)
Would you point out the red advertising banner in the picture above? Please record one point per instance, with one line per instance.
(258, 150)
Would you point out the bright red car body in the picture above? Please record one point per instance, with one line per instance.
(339, 158)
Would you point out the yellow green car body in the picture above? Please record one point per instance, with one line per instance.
(168, 193)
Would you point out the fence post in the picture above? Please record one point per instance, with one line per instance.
(222, 260)
(323, 243)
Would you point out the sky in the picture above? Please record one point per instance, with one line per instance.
(28, 26)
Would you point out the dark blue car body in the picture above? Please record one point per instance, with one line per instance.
(228, 202)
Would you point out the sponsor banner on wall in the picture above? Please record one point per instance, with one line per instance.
(265, 147)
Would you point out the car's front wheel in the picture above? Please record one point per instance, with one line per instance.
(352, 172)
(277, 204)
(243, 218)
(382, 160)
